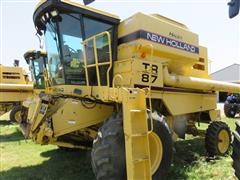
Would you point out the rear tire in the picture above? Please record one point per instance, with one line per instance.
(108, 152)
(229, 110)
(236, 151)
(15, 114)
(218, 138)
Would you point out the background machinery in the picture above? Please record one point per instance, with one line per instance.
(232, 105)
(124, 89)
(236, 150)
(15, 87)
(234, 6)
(37, 61)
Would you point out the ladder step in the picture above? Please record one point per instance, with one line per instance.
(138, 110)
(139, 134)
(141, 159)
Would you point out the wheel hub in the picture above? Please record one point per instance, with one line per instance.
(17, 116)
(223, 141)
(156, 151)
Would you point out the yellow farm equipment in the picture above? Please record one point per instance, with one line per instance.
(125, 89)
(15, 87)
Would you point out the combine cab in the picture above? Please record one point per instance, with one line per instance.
(37, 61)
(125, 90)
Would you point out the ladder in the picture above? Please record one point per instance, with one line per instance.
(135, 124)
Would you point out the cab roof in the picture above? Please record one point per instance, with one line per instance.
(46, 6)
(31, 53)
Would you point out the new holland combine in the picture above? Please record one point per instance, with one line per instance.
(15, 87)
(125, 89)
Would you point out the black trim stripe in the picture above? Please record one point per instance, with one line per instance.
(172, 89)
(159, 39)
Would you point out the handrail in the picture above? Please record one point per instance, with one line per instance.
(97, 64)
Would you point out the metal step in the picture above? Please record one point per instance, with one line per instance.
(138, 160)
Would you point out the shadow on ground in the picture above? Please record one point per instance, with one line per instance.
(5, 123)
(15, 136)
(60, 165)
(187, 154)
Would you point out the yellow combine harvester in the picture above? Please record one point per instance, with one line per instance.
(14, 88)
(124, 89)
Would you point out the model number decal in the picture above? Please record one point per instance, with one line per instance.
(146, 76)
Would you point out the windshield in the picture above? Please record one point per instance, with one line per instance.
(63, 39)
(37, 67)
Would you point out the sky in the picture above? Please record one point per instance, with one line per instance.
(208, 18)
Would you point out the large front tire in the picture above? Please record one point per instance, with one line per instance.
(108, 153)
(236, 150)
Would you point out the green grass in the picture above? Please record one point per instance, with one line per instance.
(22, 159)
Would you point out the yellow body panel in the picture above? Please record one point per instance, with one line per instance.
(14, 84)
(72, 116)
(14, 96)
(188, 102)
(170, 40)
(135, 72)
(12, 75)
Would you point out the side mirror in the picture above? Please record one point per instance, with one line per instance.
(86, 2)
(233, 8)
